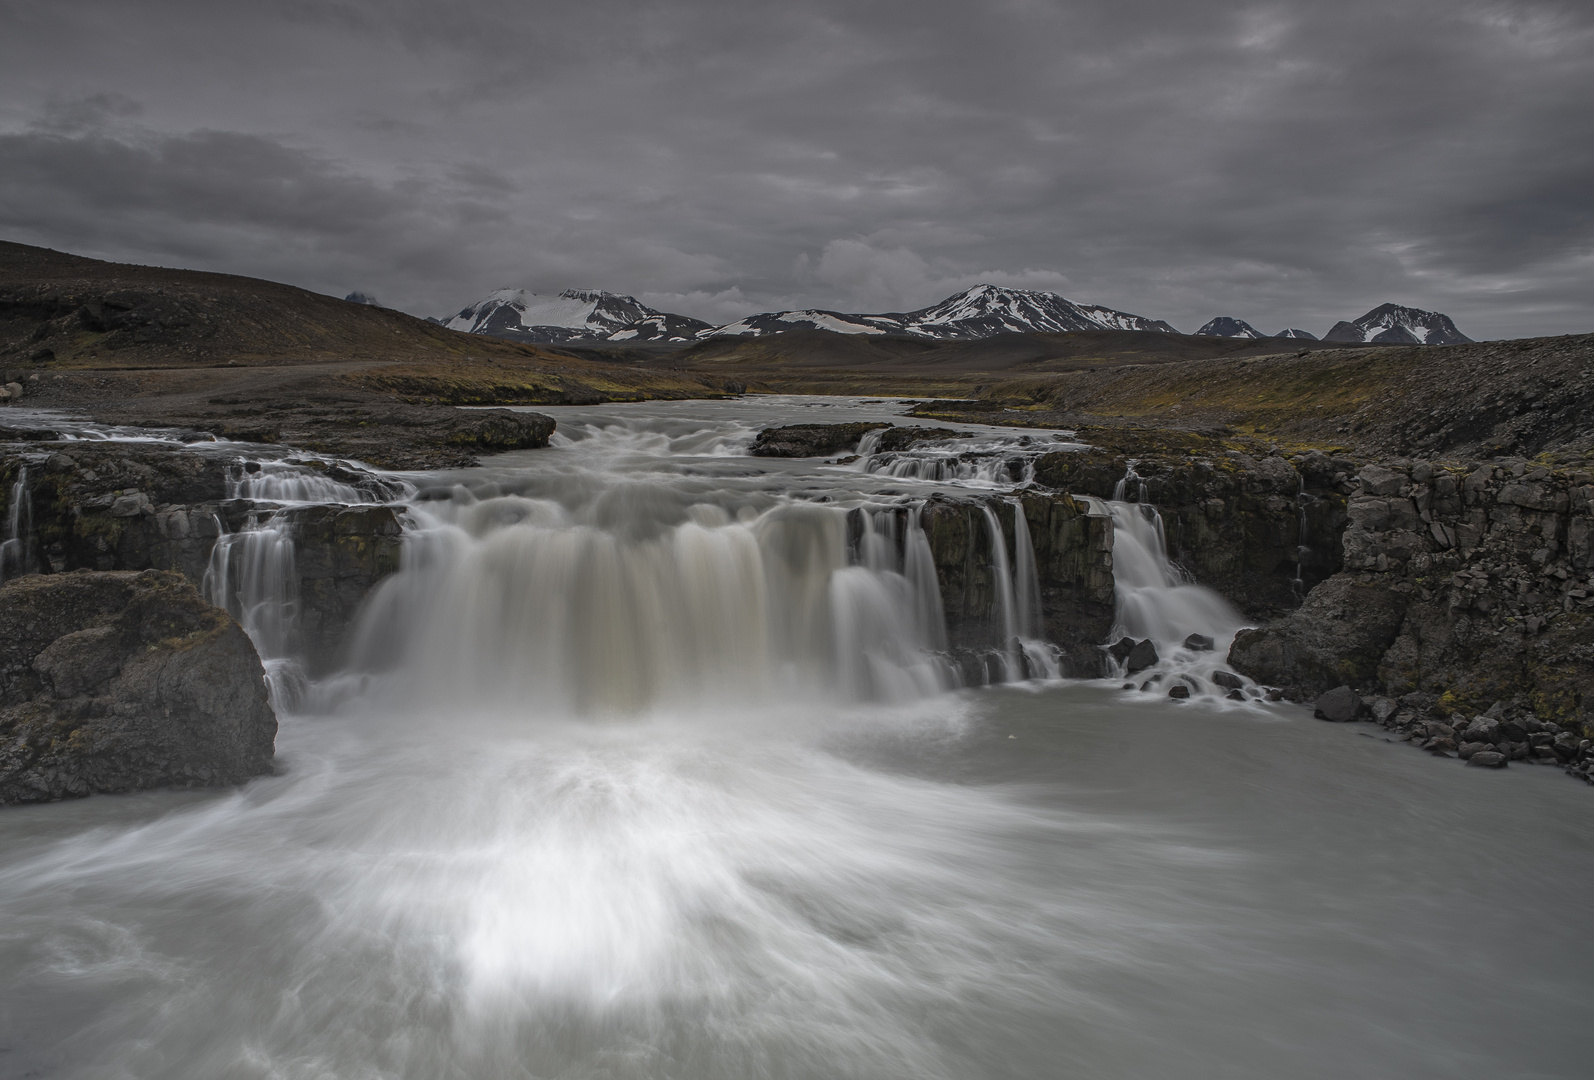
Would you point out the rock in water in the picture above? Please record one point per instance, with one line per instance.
(1339, 704)
(810, 440)
(1179, 690)
(1142, 656)
(1199, 643)
(1488, 759)
(114, 681)
(1227, 679)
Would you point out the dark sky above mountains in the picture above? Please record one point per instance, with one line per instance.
(1288, 163)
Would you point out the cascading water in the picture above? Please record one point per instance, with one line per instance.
(640, 774)
(974, 460)
(253, 575)
(16, 549)
(1154, 600)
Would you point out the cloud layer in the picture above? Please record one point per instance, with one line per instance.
(1290, 163)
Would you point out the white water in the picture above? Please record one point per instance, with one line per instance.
(643, 769)
(16, 548)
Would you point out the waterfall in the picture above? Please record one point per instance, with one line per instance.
(516, 600)
(1153, 599)
(1026, 585)
(1298, 585)
(16, 550)
(253, 574)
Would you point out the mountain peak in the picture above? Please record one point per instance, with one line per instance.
(1228, 326)
(1396, 324)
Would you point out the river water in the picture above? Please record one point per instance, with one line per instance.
(648, 763)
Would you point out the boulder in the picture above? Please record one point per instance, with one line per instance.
(810, 440)
(1142, 656)
(1467, 749)
(115, 681)
(1339, 704)
(1482, 729)
(1488, 759)
(1338, 635)
(1228, 680)
(1199, 643)
(1179, 690)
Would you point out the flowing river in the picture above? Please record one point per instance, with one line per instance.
(652, 761)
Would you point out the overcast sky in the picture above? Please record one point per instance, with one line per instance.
(1288, 163)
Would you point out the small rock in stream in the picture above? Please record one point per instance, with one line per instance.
(1488, 759)
(1339, 705)
(1199, 643)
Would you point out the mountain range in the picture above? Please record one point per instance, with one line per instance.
(581, 316)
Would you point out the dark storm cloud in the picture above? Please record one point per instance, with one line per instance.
(1288, 163)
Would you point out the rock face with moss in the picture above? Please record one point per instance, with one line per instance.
(112, 682)
(1073, 561)
(1474, 584)
(127, 506)
(810, 440)
(1256, 524)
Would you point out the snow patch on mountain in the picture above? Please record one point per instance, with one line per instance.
(1292, 332)
(1393, 324)
(978, 312)
(573, 315)
(1226, 326)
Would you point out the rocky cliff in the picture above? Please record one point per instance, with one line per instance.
(133, 506)
(1473, 583)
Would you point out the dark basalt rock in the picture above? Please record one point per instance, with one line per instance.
(116, 681)
(904, 438)
(1228, 680)
(1142, 656)
(1339, 704)
(1488, 759)
(1199, 643)
(1338, 636)
(1179, 691)
(810, 440)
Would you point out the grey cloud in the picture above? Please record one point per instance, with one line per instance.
(1289, 163)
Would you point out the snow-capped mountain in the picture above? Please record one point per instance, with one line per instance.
(358, 297)
(573, 315)
(1391, 324)
(1224, 326)
(1294, 333)
(979, 312)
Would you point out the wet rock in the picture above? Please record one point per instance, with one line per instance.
(1487, 759)
(1142, 656)
(1228, 680)
(1438, 729)
(114, 681)
(1383, 710)
(1338, 636)
(1482, 729)
(904, 438)
(1235, 695)
(1467, 749)
(1179, 690)
(809, 440)
(1339, 704)
(1199, 643)
(1120, 649)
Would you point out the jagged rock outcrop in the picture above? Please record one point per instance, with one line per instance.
(1490, 568)
(113, 681)
(1073, 560)
(130, 506)
(1259, 527)
(810, 440)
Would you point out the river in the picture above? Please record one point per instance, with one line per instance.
(648, 764)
